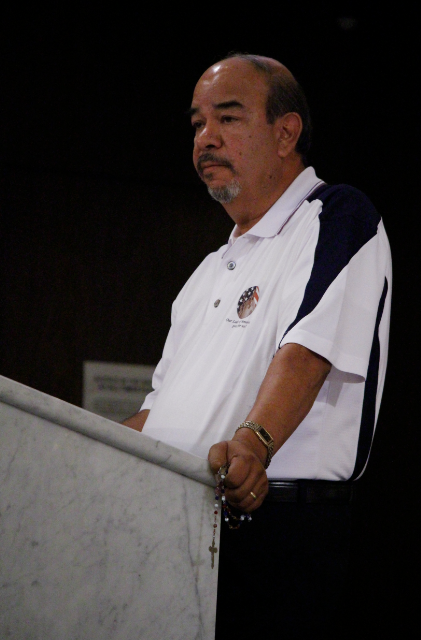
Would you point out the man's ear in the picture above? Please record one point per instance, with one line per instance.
(289, 128)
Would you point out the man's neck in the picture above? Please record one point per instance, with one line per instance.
(246, 211)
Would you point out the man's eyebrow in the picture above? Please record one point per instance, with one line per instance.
(229, 104)
(190, 112)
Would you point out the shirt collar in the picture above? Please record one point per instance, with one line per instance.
(279, 213)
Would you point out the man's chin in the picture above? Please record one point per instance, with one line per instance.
(225, 193)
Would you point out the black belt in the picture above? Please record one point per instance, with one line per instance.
(310, 491)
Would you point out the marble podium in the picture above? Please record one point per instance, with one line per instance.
(104, 532)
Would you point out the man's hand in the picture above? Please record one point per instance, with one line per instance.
(246, 473)
(137, 421)
(292, 382)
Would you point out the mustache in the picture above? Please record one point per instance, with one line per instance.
(210, 157)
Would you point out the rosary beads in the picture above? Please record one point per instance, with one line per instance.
(233, 521)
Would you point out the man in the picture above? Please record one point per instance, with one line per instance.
(277, 350)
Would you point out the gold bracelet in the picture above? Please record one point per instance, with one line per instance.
(263, 435)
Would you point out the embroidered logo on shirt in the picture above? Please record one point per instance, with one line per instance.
(248, 302)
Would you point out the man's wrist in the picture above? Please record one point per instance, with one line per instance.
(249, 440)
(252, 433)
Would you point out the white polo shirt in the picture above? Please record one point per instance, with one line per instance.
(316, 271)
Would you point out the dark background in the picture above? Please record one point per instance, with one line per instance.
(103, 218)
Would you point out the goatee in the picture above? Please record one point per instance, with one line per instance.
(226, 193)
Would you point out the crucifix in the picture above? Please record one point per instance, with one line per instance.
(213, 550)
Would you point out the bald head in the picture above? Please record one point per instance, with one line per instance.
(284, 93)
(264, 64)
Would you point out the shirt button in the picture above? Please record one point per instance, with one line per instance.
(231, 265)
(216, 303)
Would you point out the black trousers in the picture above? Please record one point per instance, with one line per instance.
(281, 575)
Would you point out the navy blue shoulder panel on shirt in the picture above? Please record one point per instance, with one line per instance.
(368, 415)
(348, 221)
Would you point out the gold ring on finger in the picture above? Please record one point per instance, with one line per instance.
(253, 495)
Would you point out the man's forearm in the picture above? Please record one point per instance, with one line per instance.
(137, 421)
(288, 391)
(286, 395)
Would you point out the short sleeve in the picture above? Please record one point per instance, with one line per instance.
(339, 306)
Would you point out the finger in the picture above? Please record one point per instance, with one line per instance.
(218, 456)
(250, 504)
(244, 467)
(253, 482)
(243, 499)
(244, 474)
(258, 487)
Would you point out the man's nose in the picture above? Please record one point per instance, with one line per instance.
(208, 137)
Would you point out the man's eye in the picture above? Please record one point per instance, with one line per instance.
(196, 125)
(228, 119)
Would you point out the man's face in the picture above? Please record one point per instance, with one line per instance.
(235, 149)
